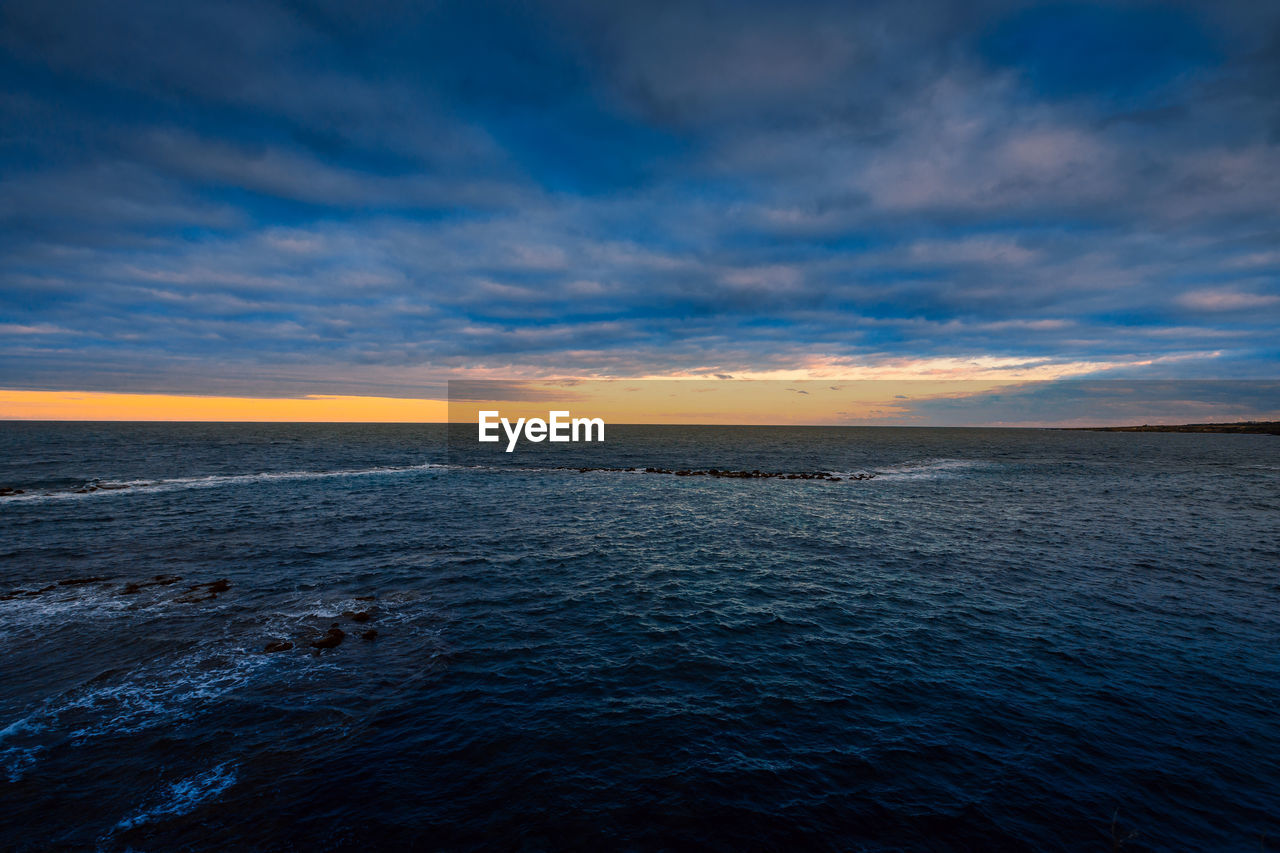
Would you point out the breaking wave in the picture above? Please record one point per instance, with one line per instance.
(932, 469)
(99, 487)
(183, 796)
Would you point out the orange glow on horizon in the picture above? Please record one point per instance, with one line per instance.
(713, 401)
(645, 401)
(315, 408)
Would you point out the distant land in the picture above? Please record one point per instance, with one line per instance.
(1252, 427)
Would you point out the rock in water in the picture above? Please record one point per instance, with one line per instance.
(134, 587)
(330, 640)
(278, 646)
(212, 588)
(357, 616)
(371, 634)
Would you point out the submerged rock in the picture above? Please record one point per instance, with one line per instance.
(278, 646)
(135, 587)
(371, 634)
(332, 638)
(18, 593)
(211, 590)
(753, 474)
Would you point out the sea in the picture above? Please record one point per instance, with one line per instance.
(954, 640)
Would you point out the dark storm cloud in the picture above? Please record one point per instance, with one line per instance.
(311, 197)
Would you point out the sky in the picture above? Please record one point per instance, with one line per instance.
(992, 401)
(312, 202)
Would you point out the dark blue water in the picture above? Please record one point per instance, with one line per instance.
(1008, 639)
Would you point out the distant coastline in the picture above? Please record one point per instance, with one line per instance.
(1250, 427)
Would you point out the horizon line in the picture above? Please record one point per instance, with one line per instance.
(1074, 428)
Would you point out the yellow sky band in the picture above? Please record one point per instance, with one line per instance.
(97, 406)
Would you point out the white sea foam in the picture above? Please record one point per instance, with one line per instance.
(17, 760)
(183, 796)
(25, 616)
(168, 691)
(929, 469)
(99, 488)
(152, 699)
(80, 601)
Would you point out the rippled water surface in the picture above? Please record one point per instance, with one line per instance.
(1006, 639)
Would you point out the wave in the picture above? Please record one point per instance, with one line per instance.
(924, 469)
(930, 469)
(180, 688)
(100, 487)
(144, 701)
(154, 698)
(16, 760)
(183, 796)
(731, 474)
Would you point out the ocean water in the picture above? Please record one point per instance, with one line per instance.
(1004, 640)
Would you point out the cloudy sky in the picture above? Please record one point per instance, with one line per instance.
(277, 199)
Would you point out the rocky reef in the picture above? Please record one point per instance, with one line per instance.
(314, 638)
(753, 474)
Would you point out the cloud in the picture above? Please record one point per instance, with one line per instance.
(1227, 300)
(37, 329)
(308, 198)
